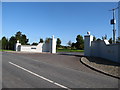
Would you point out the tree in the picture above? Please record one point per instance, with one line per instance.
(118, 40)
(4, 43)
(12, 42)
(24, 39)
(21, 37)
(73, 45)
(110, 40)
(34, 43)
(58, 42)
(80, 42)
(18, 35)
(69, 43)
(98, 39)
(94, 38)
(0, 44)
(41, 40)
(104, 37)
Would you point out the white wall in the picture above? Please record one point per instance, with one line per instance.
(87, 44)
(33, 48)
(102, 49)
(41, 47)
(25, 48)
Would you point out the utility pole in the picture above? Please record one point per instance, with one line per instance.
(113, 22)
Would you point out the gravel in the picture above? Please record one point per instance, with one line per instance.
(103, 65)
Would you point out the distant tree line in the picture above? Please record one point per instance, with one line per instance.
(9, 44)
(79, 44)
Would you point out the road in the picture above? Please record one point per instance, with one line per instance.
(21, 70)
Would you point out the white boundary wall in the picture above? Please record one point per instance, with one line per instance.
(41, 47)
(102, 49)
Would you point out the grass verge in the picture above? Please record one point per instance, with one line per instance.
(69, 50)
(5, 50)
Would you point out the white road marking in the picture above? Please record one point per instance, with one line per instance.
(40, 76)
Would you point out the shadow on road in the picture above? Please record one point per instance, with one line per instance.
(77, 54)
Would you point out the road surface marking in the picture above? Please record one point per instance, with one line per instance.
(39, 76)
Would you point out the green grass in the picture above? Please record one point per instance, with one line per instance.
(5, 50)
(69, 50)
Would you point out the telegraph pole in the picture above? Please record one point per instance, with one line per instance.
(113, 22)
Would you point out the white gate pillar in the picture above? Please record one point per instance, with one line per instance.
(17, 45)
(53, 48)
(87, 44)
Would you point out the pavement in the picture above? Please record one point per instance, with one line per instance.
(29, 70)
(102, 65)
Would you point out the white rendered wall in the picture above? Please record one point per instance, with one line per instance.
(53, 48)
(46, 47)
(28, 48)
(17, 48)
(87, 44)
(54, 45)
(41, 47)
(102, 49)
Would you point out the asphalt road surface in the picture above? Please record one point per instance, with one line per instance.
(23, 70)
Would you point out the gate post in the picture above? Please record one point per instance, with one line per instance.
(87, 44)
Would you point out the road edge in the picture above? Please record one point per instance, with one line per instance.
(96, 69)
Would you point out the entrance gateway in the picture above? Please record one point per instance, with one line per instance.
(41, 47)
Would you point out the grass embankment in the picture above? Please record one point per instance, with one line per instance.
(5, 50)
(69, 50)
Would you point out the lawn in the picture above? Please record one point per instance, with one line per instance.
(5, 50)
(69, 50)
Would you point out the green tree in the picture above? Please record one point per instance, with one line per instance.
(12, 42)
(73, 45)
(94, 38)
(4, 43)
(41, 40)
(118, 40)
(104, 37)
(58, 42)
(80, 42)
(0, 44)
(34, 43)
(24, 39)
(18, 35)
(110, 40)
(21, 37)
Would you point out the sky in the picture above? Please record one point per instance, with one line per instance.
(64, 20)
